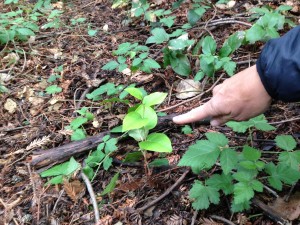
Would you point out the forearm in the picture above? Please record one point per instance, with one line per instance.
(279, 66)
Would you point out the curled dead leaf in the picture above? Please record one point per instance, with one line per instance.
(10, 105)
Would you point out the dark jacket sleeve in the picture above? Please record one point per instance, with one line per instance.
(279, 66)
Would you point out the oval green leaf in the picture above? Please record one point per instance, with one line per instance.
(156, 142)
(133, 120)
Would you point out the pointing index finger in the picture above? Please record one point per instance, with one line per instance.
(200, 113)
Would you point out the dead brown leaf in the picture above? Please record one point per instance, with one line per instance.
(75, 189)
(288, 210)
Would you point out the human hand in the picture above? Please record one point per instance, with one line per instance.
(238, 98)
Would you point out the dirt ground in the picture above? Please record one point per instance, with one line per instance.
(38, 123)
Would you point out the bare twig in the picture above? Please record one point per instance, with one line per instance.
(194, 217)
(167, 192)
(285, 121)
(271, 191)
(92, 195)
(222, 219)
(56, 203)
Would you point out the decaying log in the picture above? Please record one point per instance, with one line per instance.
(43, 158)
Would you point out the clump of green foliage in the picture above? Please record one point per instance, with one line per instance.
(242, 173)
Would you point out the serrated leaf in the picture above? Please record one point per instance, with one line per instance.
(151, 63)
(110, 145)
(186, 129)
(209, 46)
(107, 162)
(154, 98)
(240, 127)
(135, 92)
(221, 182)
(77, 122)
(111, 65)
(203, 195)
(53, 89)
(55, 180)
(217, 138)
(133, 120)
(240, 207)
(181, 64)
(281, 173)
(137, 61)
(250, 153)
(194, 15)
(25, 31)
(285, 142)
(157, 142)
(255, 33)
(243, 192)
(89, 172)
(159, 36)
(229, 67)
(202, 155)
(112, 184)
(123, 48)
(148, 113)
(168, 21)
(291, 159)
(92, 32)
(228, 160)
(78, 135)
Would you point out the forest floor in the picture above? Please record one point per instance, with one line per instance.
(37, 121)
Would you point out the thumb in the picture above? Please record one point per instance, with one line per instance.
(199, 113)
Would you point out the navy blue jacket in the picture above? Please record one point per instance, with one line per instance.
(279, 66)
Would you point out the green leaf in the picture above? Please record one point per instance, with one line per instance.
(250, 153)
(139, 134)
(199, 76)
(89, 172)
(53, 89)
(290, 159)
(77, 122)
(243, 192)
(159, 162)
(111, 186)
(229, 67)
(285, 142)
(25, 31)
(110, 145)
(181, 65)
(157, 142)
(240, 127)
(240, 207)
(92, 32)
(202, 155)
(133, 120)
(148, 113)
(186, 129)
(78, 135)
(135, 92)
(133, 156)
(228, 160)
(217, 138)
(151, 63)
(107, 162)
(209, 46)
(123, 48)
(168, 21)
(194, 15)
(154, 98)
(281, 173)
(159, 36)
(203, 195)
(62, 169)
(111, 65)
(137, 61)
(255, 33)
(221, 182)
(283, 8)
